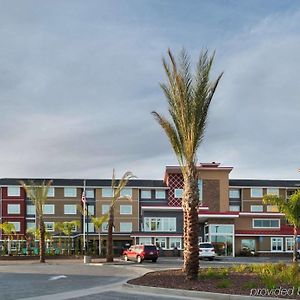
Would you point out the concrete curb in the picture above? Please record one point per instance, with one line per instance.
(191, 294)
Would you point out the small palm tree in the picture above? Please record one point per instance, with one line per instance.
(37, 193)
(98, 225)
(8, 229)
(117, 187)
(188, 98)
(291, 209)
(59, 227)
(68, 228)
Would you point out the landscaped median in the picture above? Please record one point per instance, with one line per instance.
(238, 282)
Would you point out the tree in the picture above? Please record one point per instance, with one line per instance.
(188, 98)
(59, 227)
(67, 228)
(38, 194)
(291, 209)
(98, 225)
(117, 187)
(8, 229)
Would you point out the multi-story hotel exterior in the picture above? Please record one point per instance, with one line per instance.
(231, 213)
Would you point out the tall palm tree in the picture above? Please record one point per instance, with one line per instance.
(189, 97)
(117, 186)
(291, 209)
(8, 229)
(38, 194)
(98, 225)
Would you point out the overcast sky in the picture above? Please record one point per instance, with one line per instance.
(78, 80)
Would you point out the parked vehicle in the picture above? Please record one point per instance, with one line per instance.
(298, 254)
(141, 252)
(207, 250)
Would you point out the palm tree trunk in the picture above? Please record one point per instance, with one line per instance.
(99, 235)
(109, 254)
(42, 240)
(295, 244)
(190, 206)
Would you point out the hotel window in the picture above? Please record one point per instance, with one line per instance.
(125, 226)
(273, 191)
(105, 208)
(266, 223)
(146, 194)
(89, 193)
(145, 241)
(91, 209)
(256, 192)
(234, 208)
(221, 229)
(49, 226)
(30, 209)
(160, 194)
(17, 226)
(272, 208)
(70, 192)
(256, 208)
(289, 244)
(50, 192)
(70, 209)
(276, 244)
(200, 188)
(234, 193)
(107, 193)
(159, 224)
(90, 227)
(13, 209)
(13, 191)
(160, 242)
(125, 209)
(104, 227)
(248, 244)
(30, 226)
(48, 209)
(175, 242)
(178, 193)
(126, 193)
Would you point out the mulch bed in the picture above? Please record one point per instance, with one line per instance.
(175, 279)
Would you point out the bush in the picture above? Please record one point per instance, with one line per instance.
(211, 273)
(224, 283)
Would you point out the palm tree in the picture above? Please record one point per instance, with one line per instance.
(68, 228)
(98, 225)
(59, 227)
(291, 209)
(188, 98)
(117, 187)
(8, 229)
(37, 193)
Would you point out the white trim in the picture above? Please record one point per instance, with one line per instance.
(217, 216)
(262, 227)
(161, 208)
(275, 214)
(279, 238)
(154, 235)
(286, 240)
(261, 234)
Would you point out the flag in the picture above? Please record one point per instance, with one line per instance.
(83, 198)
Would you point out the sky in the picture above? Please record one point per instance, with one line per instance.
(79, 79)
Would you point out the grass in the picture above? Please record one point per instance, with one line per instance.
(224, 283)
(212, 273)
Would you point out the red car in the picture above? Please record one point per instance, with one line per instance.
(141, 252)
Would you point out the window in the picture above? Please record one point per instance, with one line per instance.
(49, 226)
(48, 209)
(160, 242)
(221, 229)
(234, 208)
(30, 226)
(266, 223)
(146, 194)
(105, 208)
(256, 208)
(126, 193)
(160, 194)
(13, 209)
(273, 191)
(17, 226)
(256, 192)
(234, 193)
(89, 193)
(91, 209)
(50, 192)
(104, 227)
(272, 208)
(175, 242)
(289, 244)
(107, 193)
(178, 193)
(125, 226)
(125, 209)
(248, 245)
(276, 244)
(200, 188)
(30, 209)
(145, 241)
(159, 224)
(13, 191)
(70, 209)
(90, 227)
(70, 192)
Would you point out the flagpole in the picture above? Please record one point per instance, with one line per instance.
(84, 212)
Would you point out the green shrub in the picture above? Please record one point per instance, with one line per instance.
(210, 273)
(224, 283)
(250, 285)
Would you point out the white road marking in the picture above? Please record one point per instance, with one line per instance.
(57, 277)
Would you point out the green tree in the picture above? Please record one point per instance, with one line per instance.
(68, 228)
(117, 187)
(291, 209)
(8, 229)
(98, 225)
(59, 227)
(189, 97)
(38, 194)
